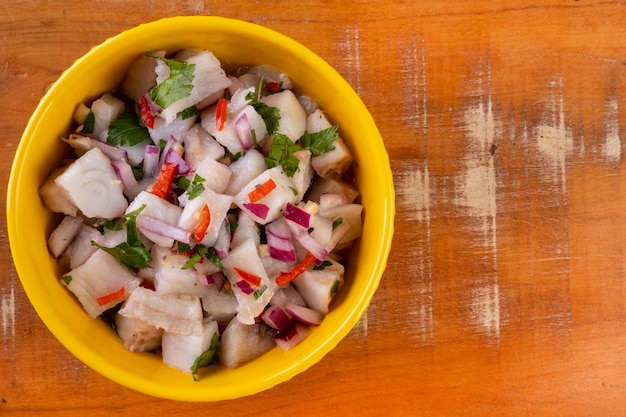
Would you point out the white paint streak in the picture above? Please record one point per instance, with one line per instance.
(350, 49)
(414, 190)
(554, 139)
(612, 147)
(7, 304)
(477, 192)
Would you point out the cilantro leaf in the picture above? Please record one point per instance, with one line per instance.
(129, 256)
(193, 188)
(127, 130)
(320, 142)
(89, 122)
(282, 153)
(206, 358)
(132, 253)
(270, 115)
(188, 112)
(177, 86)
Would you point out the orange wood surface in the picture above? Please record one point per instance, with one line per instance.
(505, 291)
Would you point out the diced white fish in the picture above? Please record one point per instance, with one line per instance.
(181, 314)
(220, 306)
(141, 75)
(100, 283)
(241, 343)
(245, 169)
(55, 197)
(137, 335)
(318, 286)
(252, 298)
(106, 109)
(334, 162)
(199, 145)
(209, 77)
(157, 208)
(293, 117)
(93, 186)
(218, 204)
(216, 175)
(63, 235)
(170, 278)
(181, 351)
(274, 202)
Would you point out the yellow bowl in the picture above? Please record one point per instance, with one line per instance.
(235, 43)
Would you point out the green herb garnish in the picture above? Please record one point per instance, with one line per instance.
(177, 86)
(282, 153)
(89, 123)
(206, 358)
(132, 253)
(127, 130)
(320, 142)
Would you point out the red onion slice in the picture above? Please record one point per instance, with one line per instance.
(158, 226)
(297, 215)
(259, 210)
(291, 336)
(304, 315)
(308, 242)
(244, 131)
(279, 242)
(244, 287)
(277, 318)
(125, 173)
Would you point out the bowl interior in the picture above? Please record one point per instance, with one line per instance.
(235, 43)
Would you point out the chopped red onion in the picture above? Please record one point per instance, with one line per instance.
(125, 173)
(85, 143)
(244, 131)
(292, 336)
(279, 242)
(276, 318)
(305, 239)
(259, 210)
(304, 315)
(173, 157)
(244, 287)
(160, 227)
(297, 215)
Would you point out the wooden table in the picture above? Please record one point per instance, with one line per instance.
(505, 292)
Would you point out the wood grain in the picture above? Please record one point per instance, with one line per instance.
(505, 289)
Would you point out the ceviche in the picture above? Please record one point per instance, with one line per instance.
(203, 214)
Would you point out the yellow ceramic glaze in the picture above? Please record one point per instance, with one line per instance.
(40, 150)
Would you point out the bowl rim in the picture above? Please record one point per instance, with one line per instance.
(387, 200)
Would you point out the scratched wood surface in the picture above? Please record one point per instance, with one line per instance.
(505, 292)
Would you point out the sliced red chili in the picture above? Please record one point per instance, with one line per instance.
(199, 232)
(249, 277)
(286, 277)
(261, 191)
(220, 114)
(164, 180)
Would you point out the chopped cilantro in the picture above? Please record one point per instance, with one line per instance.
(338, 221)
(206, 358)
(127, 130)
(258, 293)
(322, 265)
(335, 288)
(67, 279)
(193, 187)
(282, 153)
(270, 116)
(132, 253)
(196, 256)
(188, 112)
(177, 86)
(89, 123)
(320, 142)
